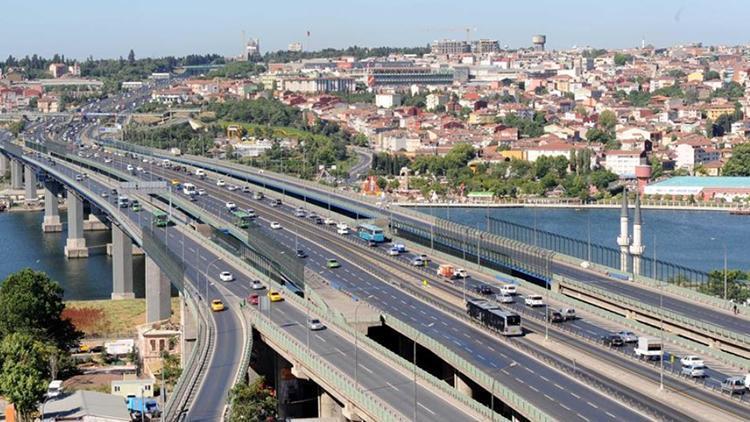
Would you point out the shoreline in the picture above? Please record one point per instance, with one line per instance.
(564, 206)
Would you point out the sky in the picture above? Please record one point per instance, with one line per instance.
(110, 28)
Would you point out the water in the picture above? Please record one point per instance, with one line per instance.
(24, 245)
(682, 237)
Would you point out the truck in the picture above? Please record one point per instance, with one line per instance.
(449, 271)
(141, 406)
(648, 348)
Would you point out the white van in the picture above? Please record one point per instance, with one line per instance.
(54, 389)
(508, 289)
(533, 300)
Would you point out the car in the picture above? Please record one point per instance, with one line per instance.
(226, 276)
(175, 182)
(533, 300)
(318, 220)
(139, 169)
(275, 225)
(217, 305)
(612, 340)
(733, 385)
(232, 188)
(393, 252)
(299, 212)
(231, 206)
(372, 243)
(275, 296)
(461, 273)
(300, 253)
(312, 216)
(424, 257)
(568, 313)
(628, 336)
(253, 299)
(201, 192)
(509, 289)
(315, 324)
(341, 225)
(343, 231)
(503, 298)
(417, 262)
(220, 183)
(332, 263)
(130, 167)
(107, 160)
(135, 206)
(483, 289)
(257, 285)
(555, 316)
(275, 203)
(246, 189)
(329, 221)
(693, 370)
(79, 177)
(105, 194)
(691, 360)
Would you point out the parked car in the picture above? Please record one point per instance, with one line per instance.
(315, 324)
(612, 340)
(693, 371)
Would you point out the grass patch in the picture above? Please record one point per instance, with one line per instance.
(110, 318)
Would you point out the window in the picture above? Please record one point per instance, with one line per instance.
(161, 345)
(153, 344)
(117, 388)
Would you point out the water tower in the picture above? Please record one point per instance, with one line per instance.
(538, 41)
(643, 175)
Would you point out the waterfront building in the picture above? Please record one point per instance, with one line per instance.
(724, 187)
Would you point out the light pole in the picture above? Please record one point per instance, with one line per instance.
(205, 273)
(414, 361)
(661, 324)
(494, 379)
(724, 245)
(356, 341)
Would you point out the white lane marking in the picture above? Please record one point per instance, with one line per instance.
(339, 350)
(320, 338)
(576, 396)
(392, 386)
(582, 417)
(422, 406)
(366, 368)
(565, 407)
(558, 386)
(549, 398)
(610, 415)
(519, 380)
(544, 378)
(592, 405)
(533, 388)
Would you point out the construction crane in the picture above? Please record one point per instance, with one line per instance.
(467, 29)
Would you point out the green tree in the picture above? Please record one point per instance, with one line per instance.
(171, 367)
(621, 59)
(23, 372)
(31, 303)
(131, 57)
(607, 121)
(736, 289)
(711, 75)
(739, 163)
(602, 178)
(253, 402)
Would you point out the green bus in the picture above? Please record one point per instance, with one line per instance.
(241, 219)
(161, 219)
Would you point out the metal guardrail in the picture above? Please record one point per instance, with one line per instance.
(658, 312)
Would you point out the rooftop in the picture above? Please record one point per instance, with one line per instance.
(706, 182)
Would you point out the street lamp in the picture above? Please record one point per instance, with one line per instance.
(205, 273)
(724, 244)
(414, 361)
(356, 340)
(661, 323)
(494, 379)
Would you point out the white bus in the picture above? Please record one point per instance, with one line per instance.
(189, 189)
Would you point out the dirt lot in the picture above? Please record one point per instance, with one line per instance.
(111, 318)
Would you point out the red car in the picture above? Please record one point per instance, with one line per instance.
(253, 299)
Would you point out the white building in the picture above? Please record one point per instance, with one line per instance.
(623, 163)
(388, 100)
(316, 85)
(295, 47)
(549, 150)
(690, 155)
(435, 100)
(398, 140)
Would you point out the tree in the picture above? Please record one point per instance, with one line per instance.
(253, 402)
(31, 303)
(131, 57)
(602, 178)
(711, 75)
(23, 372)
(607, 121)
(621, 59)
(735, 288)
(170, 367)
(739, 163)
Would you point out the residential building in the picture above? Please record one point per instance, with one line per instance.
(48, 104)
(388, 100)
(131, 85)
(714, 111)
(57, 69)
(435, 100)
(86, 406)
(623, 163)
(398, 140)
(484, 46)
(317, 85)
(449, 47)
(131, 385)
(690, 154)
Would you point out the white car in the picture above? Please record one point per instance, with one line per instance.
(329, 221)
(130, 167)
(503, 298)
(231, 206)
(232, 188)
(315, 324)
(220, 182)
(139, 169)
(461, 273)
(691, 361)
(275, 225)
(107, 160)
(393, 252)
(343, 231)
(257, 285)
(341, 226)
(533, 300)
(509, 289)
(226, 276)
(201, 192)
(627, 336)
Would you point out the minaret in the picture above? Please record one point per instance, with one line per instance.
(636, 249)
(623, 240)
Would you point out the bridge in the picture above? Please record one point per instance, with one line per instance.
(457, 369)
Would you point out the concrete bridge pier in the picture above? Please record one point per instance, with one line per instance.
(51, 221)
(189, 329)
(4, 165)
(29, 184)
(157, 293)
(461, 385)
(75, 246)
(93, 223)
(16, 175)
(329, 408)
(122, 264)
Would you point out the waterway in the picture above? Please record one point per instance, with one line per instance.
(23, 245)
(682, 237)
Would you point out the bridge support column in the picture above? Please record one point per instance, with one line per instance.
(29, 184)
(328, 407)
(16, 175)
(122, 264)
(157, 293)
(51, 221)
(188, 329)
(4, 165)
(93, 223)
(75, 246)
(461, 385)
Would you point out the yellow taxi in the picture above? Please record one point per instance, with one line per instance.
(175, 182)
(275, 296)
(217, 305)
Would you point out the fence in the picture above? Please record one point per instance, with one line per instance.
(599, 254)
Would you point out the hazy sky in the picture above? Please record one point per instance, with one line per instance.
(109, 28)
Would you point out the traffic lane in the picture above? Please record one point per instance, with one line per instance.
(337, 278)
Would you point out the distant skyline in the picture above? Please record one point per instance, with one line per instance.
(109, 29)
